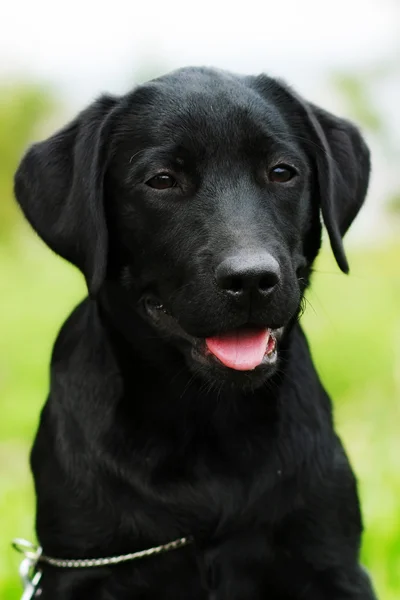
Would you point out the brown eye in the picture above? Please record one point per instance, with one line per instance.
(163, 181)
(281, 174)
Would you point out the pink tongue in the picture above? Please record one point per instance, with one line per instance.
(242, 349)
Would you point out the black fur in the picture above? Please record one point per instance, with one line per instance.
(145, 439)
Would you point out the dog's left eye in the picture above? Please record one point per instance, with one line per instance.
(163, 181)
(282, 174)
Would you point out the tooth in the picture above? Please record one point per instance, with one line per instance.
(273, 346)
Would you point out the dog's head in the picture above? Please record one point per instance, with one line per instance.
(200, 193)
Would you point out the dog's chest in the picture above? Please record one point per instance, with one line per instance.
(218, 482)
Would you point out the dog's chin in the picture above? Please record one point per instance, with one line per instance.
(204, 362)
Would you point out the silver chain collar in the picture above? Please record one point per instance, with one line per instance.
(30, 573)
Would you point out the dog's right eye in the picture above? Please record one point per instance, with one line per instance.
(163, 181)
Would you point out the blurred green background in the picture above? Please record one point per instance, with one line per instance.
(353, 322)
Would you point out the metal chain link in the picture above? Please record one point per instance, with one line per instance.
(30, 551)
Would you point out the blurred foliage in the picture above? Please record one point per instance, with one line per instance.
(353, 323)
(359, 100)
(394, 204)
(23, 108)
(358, 92)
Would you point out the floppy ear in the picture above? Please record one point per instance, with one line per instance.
(339, 152)
(343, 163)
(59, 185)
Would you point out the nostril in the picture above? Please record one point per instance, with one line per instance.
(235, 285)
(267, 282)
(231, 283)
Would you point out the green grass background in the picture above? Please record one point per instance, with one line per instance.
(354, 327)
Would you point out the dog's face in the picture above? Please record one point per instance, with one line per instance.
(209, 199)
(200, 194)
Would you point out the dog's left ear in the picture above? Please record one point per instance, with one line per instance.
(338, 151)
(343, 162)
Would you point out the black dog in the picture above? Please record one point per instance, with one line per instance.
(184, 401)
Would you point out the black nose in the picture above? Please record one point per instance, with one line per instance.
(248, 273)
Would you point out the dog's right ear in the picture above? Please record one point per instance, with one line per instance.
(59, 185)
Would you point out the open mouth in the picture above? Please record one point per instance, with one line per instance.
(245, 348)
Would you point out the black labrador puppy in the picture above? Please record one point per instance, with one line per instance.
(184, 401)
